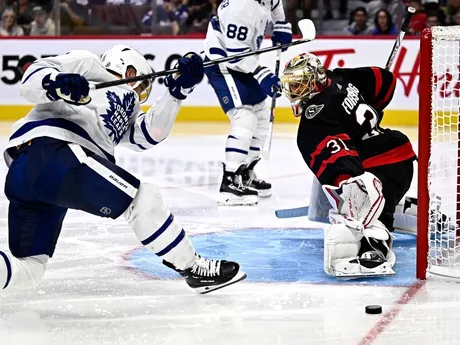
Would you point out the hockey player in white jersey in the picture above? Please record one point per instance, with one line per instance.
(242, 87)
(60, 157)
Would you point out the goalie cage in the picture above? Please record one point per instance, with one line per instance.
(438, 240)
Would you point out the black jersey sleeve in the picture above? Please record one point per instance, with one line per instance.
(375, 84)
(328, 151)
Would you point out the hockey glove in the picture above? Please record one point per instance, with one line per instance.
(191, 72)
(70, 87)
(269, 82)
(282, 34)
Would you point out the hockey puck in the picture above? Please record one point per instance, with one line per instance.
(373, 309)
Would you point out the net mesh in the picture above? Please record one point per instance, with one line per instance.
(444, 163)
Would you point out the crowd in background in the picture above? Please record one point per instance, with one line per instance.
(179, 17)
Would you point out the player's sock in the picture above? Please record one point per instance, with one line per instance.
(207, 275)
(243, 126)
(5, 270)
(236, 152)
(251, 180)
(21, 273)
(233, 191)
(156, 228)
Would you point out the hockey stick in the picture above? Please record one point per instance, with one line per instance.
(307, 29)
(303, 211)
(268, 143)
(304, 26)
(402, 33)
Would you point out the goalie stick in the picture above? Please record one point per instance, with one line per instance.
(303, 211)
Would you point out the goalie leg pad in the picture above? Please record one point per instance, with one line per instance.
(349, 254)
(156, 228)
(341, 243)
(21, 273)
(243, 126)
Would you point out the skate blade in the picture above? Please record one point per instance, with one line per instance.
(357, 275)
(227, 199)
(264, 193)
(207, 289)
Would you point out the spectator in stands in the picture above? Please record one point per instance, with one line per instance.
(395, 7)
(418, 21)
(71, 14)
(170, 14)
(343, 4)
(359, 25)
(214, 7)
(435, 18)
(8, 26)
(130, 2)
(451, 10)
(198, 14)
(456, 18)
(24, 17)
(42, 24)
(384, 24)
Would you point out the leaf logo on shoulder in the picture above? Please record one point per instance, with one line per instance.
(116, 120)
(313, 110)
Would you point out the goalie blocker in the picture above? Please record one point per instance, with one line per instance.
(365, 169)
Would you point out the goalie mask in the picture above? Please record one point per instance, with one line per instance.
(302, 77)
(118, 59)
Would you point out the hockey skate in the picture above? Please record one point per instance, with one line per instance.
(233, 192)
(208, 275)
(250, 180)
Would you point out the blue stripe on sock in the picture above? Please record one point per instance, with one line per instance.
(157, 233)
(232, 137)
(8, 269)
(231, 149)
(173, 244)
(253, 148)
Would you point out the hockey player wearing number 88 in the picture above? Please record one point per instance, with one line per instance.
(242, 87)
(364, 170)
(60, 157)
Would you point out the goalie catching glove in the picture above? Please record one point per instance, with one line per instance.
(356, 244)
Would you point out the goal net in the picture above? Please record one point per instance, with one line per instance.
(438, 240)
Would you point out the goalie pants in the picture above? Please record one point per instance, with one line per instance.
(46, 178)
(396, 180)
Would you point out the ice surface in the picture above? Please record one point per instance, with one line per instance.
(102, 288)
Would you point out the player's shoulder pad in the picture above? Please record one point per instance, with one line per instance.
(82, 54)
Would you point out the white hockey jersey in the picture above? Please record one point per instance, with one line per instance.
(239, 27)
(112, 117)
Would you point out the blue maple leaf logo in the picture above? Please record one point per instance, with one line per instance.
(116, 120)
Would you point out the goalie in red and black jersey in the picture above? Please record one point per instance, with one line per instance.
(364, 169)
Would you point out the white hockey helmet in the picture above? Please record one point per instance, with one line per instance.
(120, 57)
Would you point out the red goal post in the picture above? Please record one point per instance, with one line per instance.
(438, 240)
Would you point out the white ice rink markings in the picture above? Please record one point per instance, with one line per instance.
(91, 294)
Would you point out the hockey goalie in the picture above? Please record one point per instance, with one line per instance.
(364, 170)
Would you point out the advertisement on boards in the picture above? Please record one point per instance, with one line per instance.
(202, 104)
